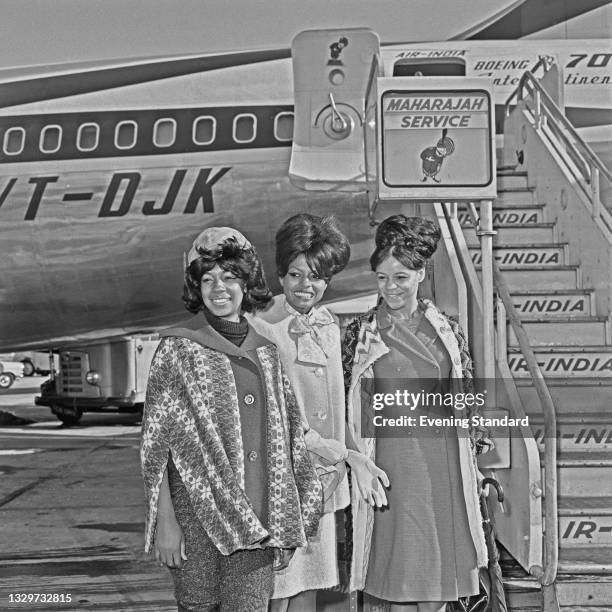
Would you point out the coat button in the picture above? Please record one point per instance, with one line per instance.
(318, 372)
(252, 456)
(249, 399)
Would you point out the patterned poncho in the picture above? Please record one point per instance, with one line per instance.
(192, 411)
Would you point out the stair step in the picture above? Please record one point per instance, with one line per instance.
(565, 362)
(516, 234)
(578, 474)
(580, 398)
(584, 593)
(590, 437)
(516, 181)
(553, 303)
(505, 202)
(601, 458)
(584, 521)
(508, 215)
(568, 332)
(517, 189)
(585, 506)
(593, 529)
(510, 197)
(537, 277)
(581, 608)
(586, 560)
(524, 256)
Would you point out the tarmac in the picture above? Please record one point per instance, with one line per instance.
(72, 513)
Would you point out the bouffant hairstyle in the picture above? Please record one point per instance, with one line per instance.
(319, 239)
(411, 240)
(244, 263)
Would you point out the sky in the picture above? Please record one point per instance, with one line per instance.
(50, 31)
(36, 32)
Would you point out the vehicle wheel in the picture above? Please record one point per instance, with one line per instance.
(68, 416)
(6, 380)
(28, 368)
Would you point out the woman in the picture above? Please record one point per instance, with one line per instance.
(310, 250)
(228, 479)
(424, 549)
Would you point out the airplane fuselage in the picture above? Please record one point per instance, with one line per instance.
(107, 172)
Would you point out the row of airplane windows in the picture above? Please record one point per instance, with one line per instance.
(203, 133)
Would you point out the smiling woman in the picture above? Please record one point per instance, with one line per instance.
(230, 486)
(424, 550)
(310, 250)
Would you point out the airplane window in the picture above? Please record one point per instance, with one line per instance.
(164, 132)
(125, 134)
(50, 139)
(14, 141)
(204, 130)
(245, 127)
(283, 126)
(88, 136)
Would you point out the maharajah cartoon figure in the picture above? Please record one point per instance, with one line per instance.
(434, 156)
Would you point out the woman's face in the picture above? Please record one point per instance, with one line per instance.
(303, 288)
(397, 284)
(222, 293)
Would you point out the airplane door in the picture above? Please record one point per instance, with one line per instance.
(419, 66)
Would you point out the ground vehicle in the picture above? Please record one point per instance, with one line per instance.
(108, 375)
(36, 363)
(9, 371)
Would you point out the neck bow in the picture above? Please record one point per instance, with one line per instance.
(313, 334)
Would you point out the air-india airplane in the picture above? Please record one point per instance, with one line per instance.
(109, 168)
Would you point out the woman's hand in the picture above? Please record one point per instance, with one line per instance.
(328, 449)
(169, 542)
(282, 557)
(371, 480)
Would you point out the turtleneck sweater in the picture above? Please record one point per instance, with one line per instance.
(233, 331)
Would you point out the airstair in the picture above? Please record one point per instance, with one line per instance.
(553, 248)
(538, 315)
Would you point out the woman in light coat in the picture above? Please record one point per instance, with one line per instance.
(310, 250)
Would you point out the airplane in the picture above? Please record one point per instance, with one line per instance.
(109, 168)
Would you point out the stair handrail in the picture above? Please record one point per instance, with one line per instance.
(543, 63)
(590, 167)
(551, 536)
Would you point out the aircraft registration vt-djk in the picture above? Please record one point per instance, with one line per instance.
(109, 169)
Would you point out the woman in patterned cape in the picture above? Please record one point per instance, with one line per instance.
(425, 548)
(228, 480)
